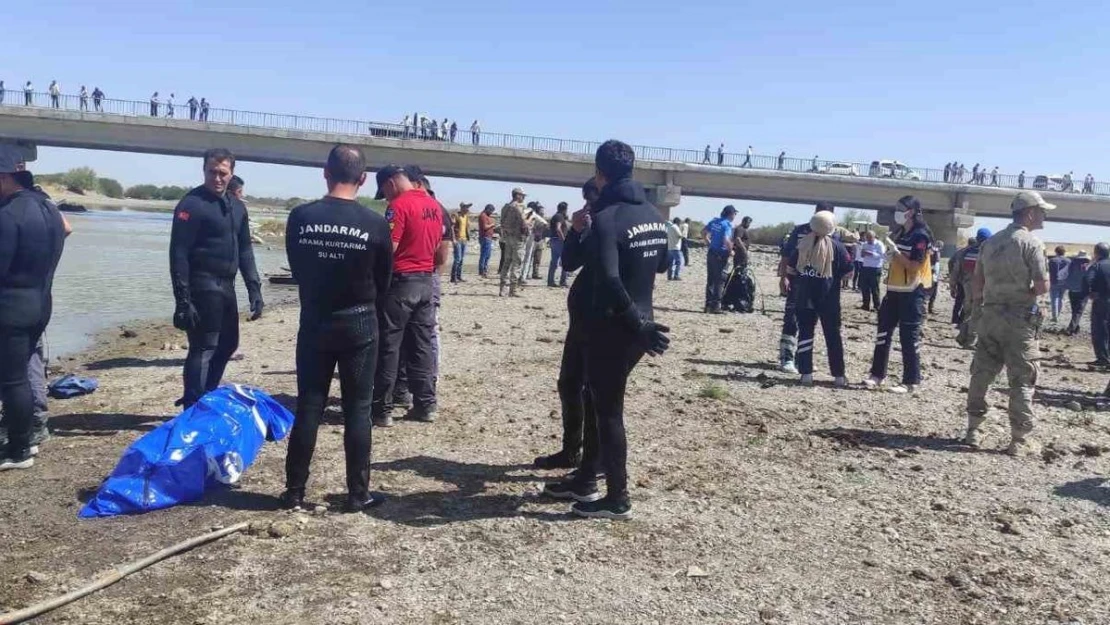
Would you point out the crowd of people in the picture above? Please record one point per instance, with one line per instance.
(420, 126)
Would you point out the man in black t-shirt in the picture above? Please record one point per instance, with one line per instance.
(341, 255)
(557, 232)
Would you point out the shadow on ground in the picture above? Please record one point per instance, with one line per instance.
(138, 363)
(1061, 397)
(1092, 489)
(102, 424)
(853, 437)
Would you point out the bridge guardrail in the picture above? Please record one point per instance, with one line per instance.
(181, 111)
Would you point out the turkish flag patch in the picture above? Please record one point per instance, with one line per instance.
(183, 215)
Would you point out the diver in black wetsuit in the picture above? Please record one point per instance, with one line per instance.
(32, 235)
(577, 408)
(341, 255)
(623, 246)
(210, 241)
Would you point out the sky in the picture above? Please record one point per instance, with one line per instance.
(923, 84)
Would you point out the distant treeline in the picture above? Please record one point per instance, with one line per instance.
(84, 180)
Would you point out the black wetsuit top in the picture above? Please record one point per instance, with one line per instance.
(1098, 279)
(621, 253)
(32, 235)
(209, 241)
(341, 255)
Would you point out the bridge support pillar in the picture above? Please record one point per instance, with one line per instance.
(664, 197)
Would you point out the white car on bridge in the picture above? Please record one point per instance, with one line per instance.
(840, 169)
(892, 169)
(1050, 183)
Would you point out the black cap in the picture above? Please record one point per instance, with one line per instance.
(910, 203)
(416, 174)
(384, 174)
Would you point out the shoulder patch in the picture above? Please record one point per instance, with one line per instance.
(183, 215)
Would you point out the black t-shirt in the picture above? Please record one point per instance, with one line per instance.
(341, 255)
(558, 223)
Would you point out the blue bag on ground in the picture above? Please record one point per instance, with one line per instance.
(206, 446)
(72, 386)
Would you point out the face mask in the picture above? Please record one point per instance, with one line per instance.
(900, 219)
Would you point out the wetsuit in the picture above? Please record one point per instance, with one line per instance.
(32, 236)
(903, 307)
(209, 242)
(1098, 283)
(817, 297)
(341, 256)
(624, 250)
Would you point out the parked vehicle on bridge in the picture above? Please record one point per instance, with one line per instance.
(892, 169)
(1050, 183)
(840, 169)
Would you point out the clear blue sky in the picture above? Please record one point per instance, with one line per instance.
(923, 83)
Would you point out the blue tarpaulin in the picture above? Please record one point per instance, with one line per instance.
(206, 446)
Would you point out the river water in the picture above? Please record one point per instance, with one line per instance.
(115, 269)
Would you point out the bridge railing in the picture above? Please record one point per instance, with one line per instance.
(181, 111)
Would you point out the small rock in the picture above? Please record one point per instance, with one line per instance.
(282, 529)
(957, 580)
(696, 571)
(1090, 450)
(477, 326)
(320, 510)
(725, 330)
(871, 563)
(545, 339)
(561, 570)
(923, 575)
(128, 333)
(385, 584)
(940, 505)
(37, 578)
(769, 615)
(1007, 525)
(167, 347)
(1074, 406)
(917, 467)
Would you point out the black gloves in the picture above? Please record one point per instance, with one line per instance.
(653, 338)
(254, 295)
(185, 316)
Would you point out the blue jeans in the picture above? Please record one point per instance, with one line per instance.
(1058, 291)
(485, 252)
(674, 264)
(456, 267)
(556, 261)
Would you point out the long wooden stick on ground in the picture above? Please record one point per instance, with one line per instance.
(119, 573)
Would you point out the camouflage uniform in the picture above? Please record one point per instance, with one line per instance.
(1010, 263)
(961, 273)
(512, 236)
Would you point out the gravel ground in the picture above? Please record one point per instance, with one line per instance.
(756, 501)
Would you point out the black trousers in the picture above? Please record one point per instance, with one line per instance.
(869, 285)
(715, 263)
(829, 315)
(611, 353)
(579, 417)
(212, 343)
(16, 347)
(408, 307)
(933, 294)
(1100, 329)
(958, 304)
(318, 356)
(685, 253)
(1078, 302)
(904, 311)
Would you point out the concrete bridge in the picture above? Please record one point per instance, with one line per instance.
(669, 174)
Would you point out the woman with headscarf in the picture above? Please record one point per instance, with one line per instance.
(819, 265)
(907, 290)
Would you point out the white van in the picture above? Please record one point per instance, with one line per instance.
(892, 169)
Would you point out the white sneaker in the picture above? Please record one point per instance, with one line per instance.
(807, 379)
(788, 367)
(872, 382)
(903, 389)
(840, 382)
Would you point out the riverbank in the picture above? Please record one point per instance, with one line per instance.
(756, 501)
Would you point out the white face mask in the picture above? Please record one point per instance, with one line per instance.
(900, 219)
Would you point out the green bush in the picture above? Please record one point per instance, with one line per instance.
(713, 390)
(171, 192)
(142, 192)
(771, 235)
(110, 187)
(378, 206)
(80, 179)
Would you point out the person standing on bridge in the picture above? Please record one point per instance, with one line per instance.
(994, 176)
(1, 92)
(514, 230)
(961, 171)
(782, 160)
(947, 171)
(721, 154)
(84, 95)
(55, 94)
(907, 286)
(748, 158)
(475, 133)
(707, 152)
(1010, 277)
(193, 104)
(203, 110)
(1021, 179)
(28, 94)
(154, 101)
(98, 97)
(169, 106)
(210, 241)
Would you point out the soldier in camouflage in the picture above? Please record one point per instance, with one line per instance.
(1009, 278)
(514, 231)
